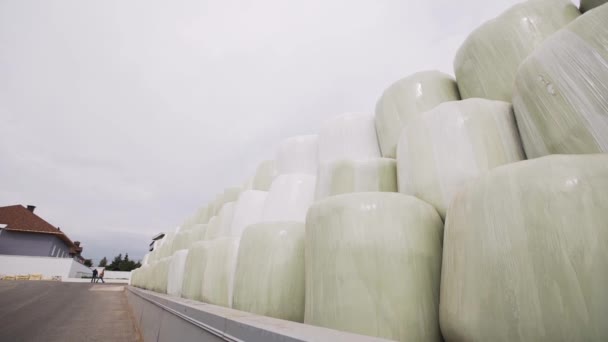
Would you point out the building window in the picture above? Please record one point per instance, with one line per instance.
(53, 251)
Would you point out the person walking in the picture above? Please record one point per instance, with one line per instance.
(101, 275)
(94, 279)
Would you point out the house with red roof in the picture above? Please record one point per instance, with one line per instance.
(22, 232)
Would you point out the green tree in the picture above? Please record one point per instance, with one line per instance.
(115, 265)
(88, 262)
(103, 262)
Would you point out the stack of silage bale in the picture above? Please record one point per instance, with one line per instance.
(269, 276)
(480, 244)
(525, 244)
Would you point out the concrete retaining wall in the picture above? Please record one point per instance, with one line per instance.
(165, 318)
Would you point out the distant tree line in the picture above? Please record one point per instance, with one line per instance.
(119, 263)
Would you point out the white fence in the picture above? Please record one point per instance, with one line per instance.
(14, 265)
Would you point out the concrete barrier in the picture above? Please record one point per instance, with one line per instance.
(166, 318)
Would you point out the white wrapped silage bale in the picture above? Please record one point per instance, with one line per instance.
(203, 215)
(486, 63)
(373, 264)
(160, 275)
(213, 228)
(264, 175)
(348, 136)
(526, 253)
(289, 198)
(198, 233)
(247, 211)
(587, 5)
(218, 279)
(225, 220)
(347, 176)
(176, 273)
(454, 143)
(407, 97)
(194, 270)
(144, 260)
(229, 195)
(166, 246)
(298, 155)
(269, 277)
(561, 90)
(182, 240)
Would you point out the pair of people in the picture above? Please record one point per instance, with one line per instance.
(96, 278)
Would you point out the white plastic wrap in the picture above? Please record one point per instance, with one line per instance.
(247, 210)
(407, 97)
(213, 228)
(289, 198)
(203, 215)
(182, 240)
(298, 155)
(176, 273)
(486, 63)
(218, 279)
(160, 275)
(269, 277)
(198, 233)
(346, 176)
(561, 90)
(454, 143)
(225, 220)
(144, 260)
(373, 263)
(166, 246)
(526, 253)
(194, 270)
(587, 5)
(348, 136)
(229, 195)
(264, 175)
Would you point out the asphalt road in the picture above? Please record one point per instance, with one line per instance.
(56, 311)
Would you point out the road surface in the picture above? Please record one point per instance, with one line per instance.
(56, 311)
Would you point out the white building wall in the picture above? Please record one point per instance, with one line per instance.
(47, 266)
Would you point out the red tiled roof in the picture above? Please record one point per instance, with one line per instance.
(19, 218)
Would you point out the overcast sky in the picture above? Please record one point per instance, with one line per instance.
(120, 118)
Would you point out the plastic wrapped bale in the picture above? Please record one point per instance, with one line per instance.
(407, 97)
(203, 215)
(144, 260)
(229, 195)
(247, 211)
(486, 63)
(373, 263)
(587, 5)
(264, 175)
(176, 273)
(289, 198)
(454, 143)
(213, 228)
(160, 275)
(218, 279)
(166, 246)
(269, 277)
(194, 270)
(526, 253)
(198, 233)
(298, 155)
(561, 90)
(346, 176)
(348, 136)
(182, 240)
(225, 220)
